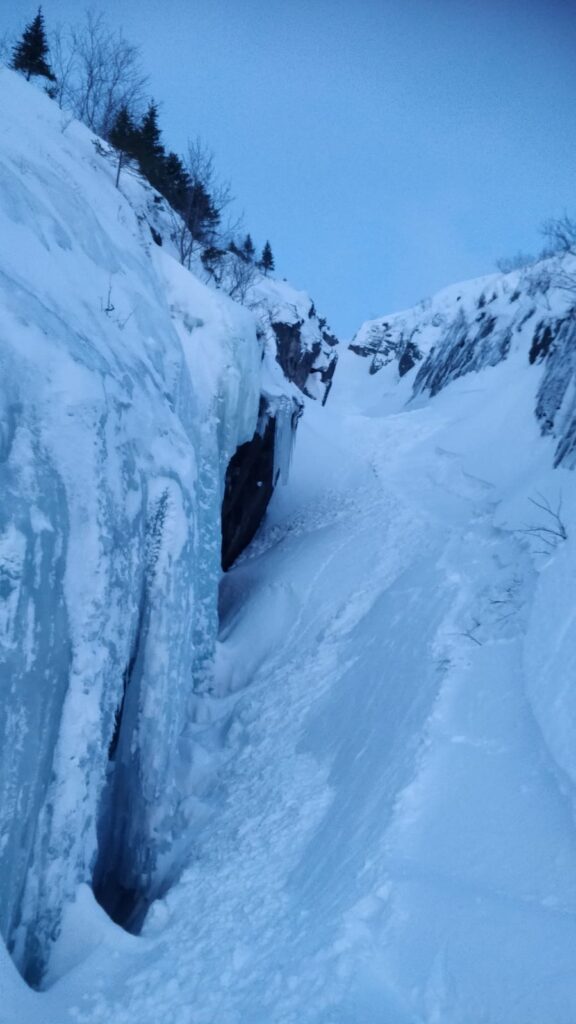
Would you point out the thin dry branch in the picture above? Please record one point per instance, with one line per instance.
(552, 530)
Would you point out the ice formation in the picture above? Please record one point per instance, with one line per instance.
(127, 386)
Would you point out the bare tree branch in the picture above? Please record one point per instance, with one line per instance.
(551, 530)
(197, 225)
(6, 47)
(98, 71)
(560, 234)
(517, 262)
(63, 60)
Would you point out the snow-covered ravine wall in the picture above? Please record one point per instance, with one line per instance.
(479, 323)
(126, 388)
(501, 351)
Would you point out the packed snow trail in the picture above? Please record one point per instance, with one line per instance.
(385, 832)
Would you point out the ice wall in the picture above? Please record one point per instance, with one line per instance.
(125, 388)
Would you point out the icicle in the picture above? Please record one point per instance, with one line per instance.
(287, 412)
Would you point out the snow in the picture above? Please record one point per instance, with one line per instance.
(382, 773)
(392, 832)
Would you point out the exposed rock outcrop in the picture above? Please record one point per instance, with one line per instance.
(298, 348)
(252, 475)
(300, 360)
(383, 342)
(302, 343)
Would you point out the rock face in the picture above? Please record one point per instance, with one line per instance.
(303, 352)
(466, 345)
(251, 477)
(249, 486)
(555, 345)
(302, 343)
(300, 361)
(383, 343)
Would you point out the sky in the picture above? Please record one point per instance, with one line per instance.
(386, 148)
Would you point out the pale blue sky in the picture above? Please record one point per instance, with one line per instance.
(386, 147)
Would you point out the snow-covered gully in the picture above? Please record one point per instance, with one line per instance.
(354, 802)
(386, 832)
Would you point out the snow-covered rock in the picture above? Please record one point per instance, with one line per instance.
(301, 341)
(298, 347)
(476, 324)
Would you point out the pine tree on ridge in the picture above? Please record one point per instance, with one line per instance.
(123, 138)
(148, 148)
(31, 53)
(267, 259)
(248, 249)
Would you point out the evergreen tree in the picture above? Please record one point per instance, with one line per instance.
(176, 182)
(233, 248)
(30, 54)
(202, 217)
(267, 259)
(148, 148)
(213, 261)
(123, 138)
(248, 249)
(123, 131)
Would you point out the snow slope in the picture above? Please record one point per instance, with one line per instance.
(392, 835)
